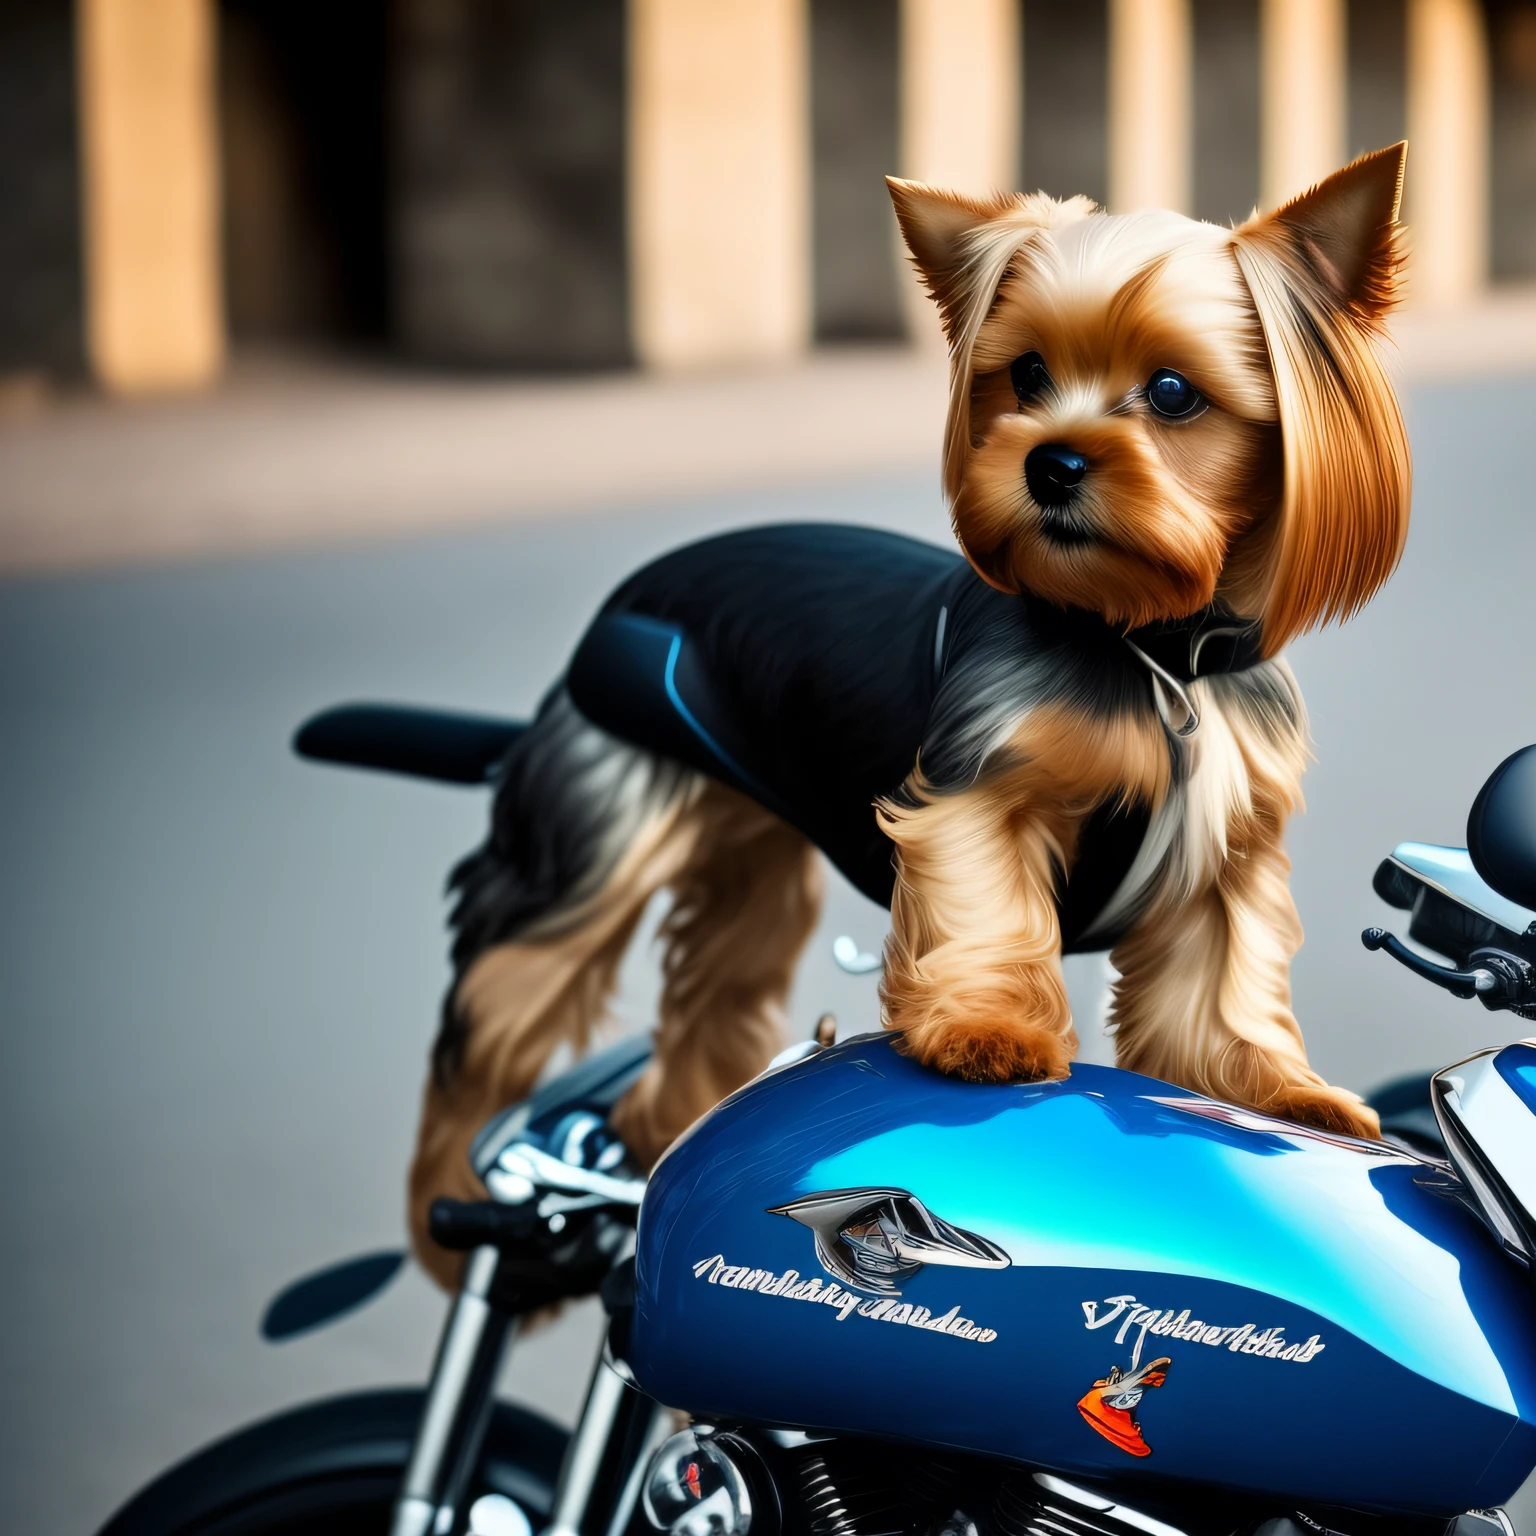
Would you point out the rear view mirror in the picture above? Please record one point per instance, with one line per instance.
(1476, 905)
(1501, 831)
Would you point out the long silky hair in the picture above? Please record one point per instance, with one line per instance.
(1324, 271)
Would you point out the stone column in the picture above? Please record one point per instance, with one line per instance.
(960, 93)
(961, 72)
(1302, 78)
(154, 303)
(1149, 104)
(1447, 187)
(719, 181)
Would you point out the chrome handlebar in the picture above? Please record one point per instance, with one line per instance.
(525, 1172)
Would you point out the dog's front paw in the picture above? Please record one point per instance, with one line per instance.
(982, 1050)
(1329, 1109)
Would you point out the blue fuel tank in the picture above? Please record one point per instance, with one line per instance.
(1105, 1276)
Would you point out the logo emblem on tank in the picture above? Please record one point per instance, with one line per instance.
(1110, 1404)
(877, 1239)
(840, 1303)
(1137, 1321)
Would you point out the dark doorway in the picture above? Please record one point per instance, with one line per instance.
(301, 99)
(41, 297)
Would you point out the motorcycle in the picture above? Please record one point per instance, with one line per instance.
(858, 1299)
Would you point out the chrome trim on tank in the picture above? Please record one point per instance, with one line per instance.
(1494, 1517)
(795, 1439)
(1290, 1130)
(877, 1239)
(1490, 1135)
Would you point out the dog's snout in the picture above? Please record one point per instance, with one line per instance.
(1052, 472)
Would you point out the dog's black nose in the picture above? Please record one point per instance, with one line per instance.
(1052, 472)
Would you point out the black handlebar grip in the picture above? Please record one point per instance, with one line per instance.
(462, 1224)
(1461, 984)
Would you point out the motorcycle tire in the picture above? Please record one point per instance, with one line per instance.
(333, 1468)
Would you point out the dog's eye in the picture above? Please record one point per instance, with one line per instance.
(1171, 394)
(1030, 378)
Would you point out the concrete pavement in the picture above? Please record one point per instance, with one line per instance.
(293, 454)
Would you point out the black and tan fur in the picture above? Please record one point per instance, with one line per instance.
(1283, 503)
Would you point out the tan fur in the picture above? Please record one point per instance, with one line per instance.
(1203, 997)
(1286, 497)
(742, 911)
(1105, 305)
(1324, 271)
(973, 961)
(746, 893)
(520, 1001)
(973, 969)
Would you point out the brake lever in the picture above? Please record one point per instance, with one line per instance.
(1462, 984)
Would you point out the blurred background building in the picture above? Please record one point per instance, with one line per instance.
(593, 184)
(441, 316)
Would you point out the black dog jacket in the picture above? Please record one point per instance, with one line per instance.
(811, 666)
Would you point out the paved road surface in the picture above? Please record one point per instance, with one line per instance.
(220, 966)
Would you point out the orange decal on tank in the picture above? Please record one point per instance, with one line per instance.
(1110, 1404)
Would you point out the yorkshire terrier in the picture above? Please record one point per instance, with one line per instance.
(1170, 448)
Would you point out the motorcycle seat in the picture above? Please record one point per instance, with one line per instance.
(437, 744)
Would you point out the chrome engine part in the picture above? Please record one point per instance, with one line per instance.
(1042, 1505)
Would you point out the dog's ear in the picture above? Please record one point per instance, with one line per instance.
(939, 229)
(1324, 270)
(1345, 232)
(962, 246)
